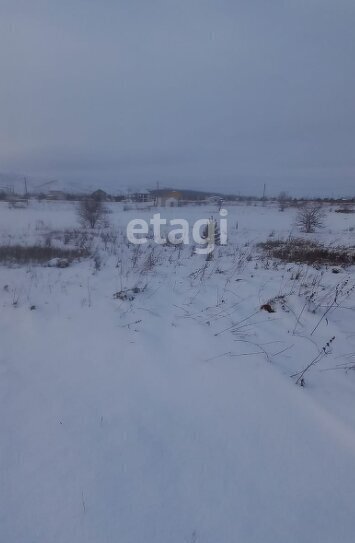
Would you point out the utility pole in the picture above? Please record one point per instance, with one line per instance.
(264, 193)
(26, 192)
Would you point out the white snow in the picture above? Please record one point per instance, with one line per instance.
(172, 417)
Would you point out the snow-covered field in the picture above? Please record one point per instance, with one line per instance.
(171, 416)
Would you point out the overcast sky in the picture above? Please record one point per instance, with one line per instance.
(225, 94)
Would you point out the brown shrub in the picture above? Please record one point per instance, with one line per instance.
(22, 254)
(308, 252)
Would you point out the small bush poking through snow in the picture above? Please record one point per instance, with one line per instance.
(91, 212)
(310, 218)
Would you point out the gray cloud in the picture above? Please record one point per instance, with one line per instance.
(217, 94)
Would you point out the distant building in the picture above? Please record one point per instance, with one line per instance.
(100, 195)
(17, 202)
(142, 196)
(56, 195)
(169, 198)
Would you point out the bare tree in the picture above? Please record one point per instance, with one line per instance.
(91, 212)
(283, 198)
(310, 218)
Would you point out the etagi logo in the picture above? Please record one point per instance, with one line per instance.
(206, 232)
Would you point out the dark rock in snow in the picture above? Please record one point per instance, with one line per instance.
(268, 308)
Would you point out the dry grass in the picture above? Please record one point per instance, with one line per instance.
(308, 252)
(22, 254)
(345, 210)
